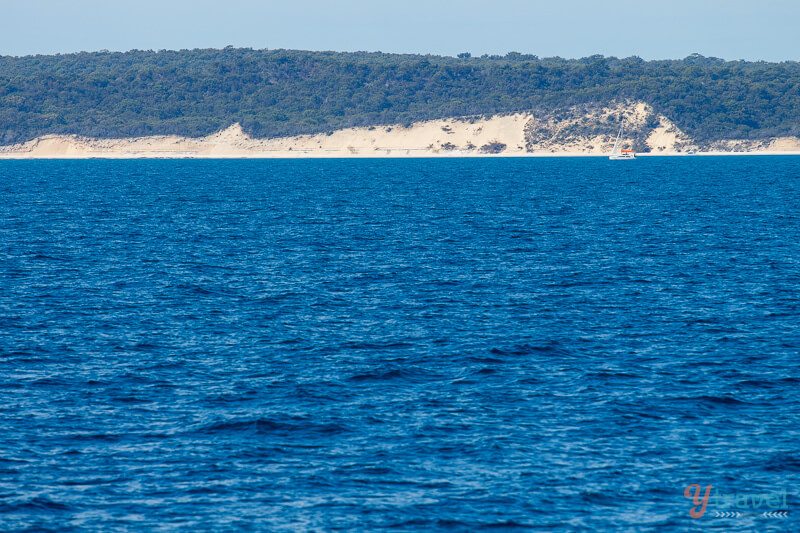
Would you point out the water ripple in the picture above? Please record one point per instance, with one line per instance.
(412, 345)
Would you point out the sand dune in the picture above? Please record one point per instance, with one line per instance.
(584, 131)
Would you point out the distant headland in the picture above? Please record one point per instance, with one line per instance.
(287, 103)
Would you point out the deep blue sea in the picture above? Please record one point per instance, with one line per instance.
(400, 345)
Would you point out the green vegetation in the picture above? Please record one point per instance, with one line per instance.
(283, 92)
(493, 147)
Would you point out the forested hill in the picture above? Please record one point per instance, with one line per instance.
(281, 92)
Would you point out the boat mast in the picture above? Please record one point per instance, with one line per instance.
(616, 144)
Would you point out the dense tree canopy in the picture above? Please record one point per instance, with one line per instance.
(281, 92)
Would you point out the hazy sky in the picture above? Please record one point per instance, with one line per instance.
(732, 29)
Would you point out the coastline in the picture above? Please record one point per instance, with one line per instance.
(517, 135)
(295, 155)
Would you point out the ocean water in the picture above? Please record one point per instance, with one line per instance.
(400, 345)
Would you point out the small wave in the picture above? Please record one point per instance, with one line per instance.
(757, 383)
(551, 348)
(11, 322)
(295, 425)
(199, 290)
(276, 298)
(631, 414)
(146, 346)
(396, 374)
(130, 400)
(782, 462)
(724, 400)
(609, 375)
(372, 470)
(140, 347)
(34, 504)
(714, 400)
(529, 381)
(95, 437)
(92, 481)
(51, 382)
(431, 524)
(377, 345)
(507, 524)
(486, 360)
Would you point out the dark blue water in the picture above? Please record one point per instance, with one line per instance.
(409, 345)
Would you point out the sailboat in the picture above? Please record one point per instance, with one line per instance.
(618, 154)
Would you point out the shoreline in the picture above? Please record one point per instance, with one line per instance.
(517, 135)
(11, 156)
(14, 157)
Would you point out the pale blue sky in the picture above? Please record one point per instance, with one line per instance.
(732, 29)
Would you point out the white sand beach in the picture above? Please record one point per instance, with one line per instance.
(521, 134)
